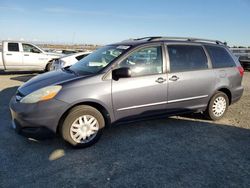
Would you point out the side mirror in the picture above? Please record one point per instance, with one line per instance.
(123, 72)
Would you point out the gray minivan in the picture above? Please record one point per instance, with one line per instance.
(129, 80)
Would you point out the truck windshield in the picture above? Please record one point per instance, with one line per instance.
(98, 59)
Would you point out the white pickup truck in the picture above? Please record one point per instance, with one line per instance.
(25, 56)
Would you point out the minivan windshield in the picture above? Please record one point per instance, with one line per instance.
(98, 59)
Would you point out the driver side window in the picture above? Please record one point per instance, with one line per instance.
(29, 48)
(146, 61)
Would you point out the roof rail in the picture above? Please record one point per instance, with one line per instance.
(181, 39)
(149, 38)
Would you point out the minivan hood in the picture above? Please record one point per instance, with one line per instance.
(46, 79)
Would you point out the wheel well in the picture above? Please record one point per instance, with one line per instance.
(49, 62)
(228, 93)
(99, 107)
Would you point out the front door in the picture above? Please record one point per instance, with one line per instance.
(146, 90)
(33, 57)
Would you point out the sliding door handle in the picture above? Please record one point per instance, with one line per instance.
(160, 80)
(174, 78)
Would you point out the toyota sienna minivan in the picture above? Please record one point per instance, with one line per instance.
(128, 80)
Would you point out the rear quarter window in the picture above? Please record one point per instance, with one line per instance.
(220, 57)
(13, 47)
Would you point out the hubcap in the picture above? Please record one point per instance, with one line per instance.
(84, 129)
(219, 106)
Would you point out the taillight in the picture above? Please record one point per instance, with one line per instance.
(241, 70)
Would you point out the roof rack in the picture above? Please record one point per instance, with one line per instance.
(149, 38)
(181, 39)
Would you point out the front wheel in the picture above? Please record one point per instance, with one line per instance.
(217, 106)
(83, 126)
(48, 67)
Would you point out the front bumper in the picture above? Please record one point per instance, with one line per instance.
(56, 66)
(38, 116)
(32, 132)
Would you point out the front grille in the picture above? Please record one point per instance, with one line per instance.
(19, 95)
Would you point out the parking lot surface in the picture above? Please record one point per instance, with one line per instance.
(179, 151)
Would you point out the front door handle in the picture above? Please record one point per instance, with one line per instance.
(174, 78)
(8, 54)
(26, 54)
(160, 80)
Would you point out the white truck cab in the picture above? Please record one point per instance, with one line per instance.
(25, 56)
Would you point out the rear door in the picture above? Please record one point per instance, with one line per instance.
(11, 55)
(190, 79)
(225, 67)
(146, 91)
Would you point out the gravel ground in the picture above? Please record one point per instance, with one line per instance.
(171, 152)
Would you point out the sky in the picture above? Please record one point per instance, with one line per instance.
(108, 21)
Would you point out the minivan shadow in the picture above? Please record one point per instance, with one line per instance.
(197, 116)
(171, 130)
(187, 152)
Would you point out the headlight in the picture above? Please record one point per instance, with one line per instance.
(42, 94)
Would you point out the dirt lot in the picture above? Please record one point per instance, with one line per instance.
(170, 152)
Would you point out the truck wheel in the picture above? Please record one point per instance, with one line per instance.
(217, 106)
(48, 66)
(83, 126)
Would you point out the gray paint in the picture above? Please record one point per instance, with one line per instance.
(128, 96)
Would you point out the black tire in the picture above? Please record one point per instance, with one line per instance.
(73, 115)
(48, 67)
(210, 110)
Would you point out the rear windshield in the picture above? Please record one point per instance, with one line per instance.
(98, 60)
(220, 57)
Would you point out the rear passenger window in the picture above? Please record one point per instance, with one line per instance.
(187, 58)
(13, 47)
(220, 57)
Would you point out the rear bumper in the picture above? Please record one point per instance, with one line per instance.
(237, 94)
(37, 117)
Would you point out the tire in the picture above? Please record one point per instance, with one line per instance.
(82, 121)
(48, 67)
(217, 106)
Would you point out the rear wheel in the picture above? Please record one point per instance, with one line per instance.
(83, 126)
(217, 106)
